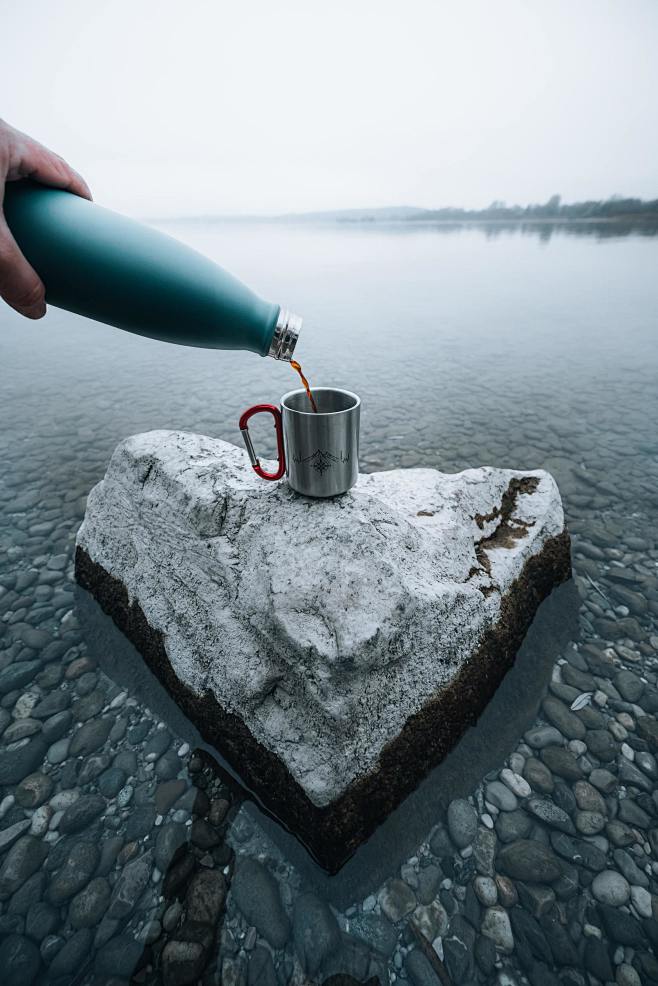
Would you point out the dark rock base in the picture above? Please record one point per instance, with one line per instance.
(333, 833)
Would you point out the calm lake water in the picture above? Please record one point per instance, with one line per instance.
(534, 349)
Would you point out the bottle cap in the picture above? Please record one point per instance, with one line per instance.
(286, 332)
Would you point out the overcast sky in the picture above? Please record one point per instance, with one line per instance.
(204, 106)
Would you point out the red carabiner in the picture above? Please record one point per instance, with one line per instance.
(278, 427)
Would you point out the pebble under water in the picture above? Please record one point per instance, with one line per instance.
(128, 852)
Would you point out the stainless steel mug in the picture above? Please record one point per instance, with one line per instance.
(317, 451)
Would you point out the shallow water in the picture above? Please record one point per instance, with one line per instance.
(466, 348)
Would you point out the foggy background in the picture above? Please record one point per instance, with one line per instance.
(213, 107)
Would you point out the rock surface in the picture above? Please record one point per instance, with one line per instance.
(276, 619)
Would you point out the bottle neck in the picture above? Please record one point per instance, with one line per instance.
(286, 333)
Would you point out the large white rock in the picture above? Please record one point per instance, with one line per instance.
(323, 625)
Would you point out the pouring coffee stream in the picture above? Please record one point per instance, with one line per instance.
(297, 366)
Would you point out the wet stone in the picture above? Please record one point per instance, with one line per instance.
(90, 737)
(629, 686)
(513, 825)
(538, 775)
(548, 812)
(11, 833)
(203, 835)
(111, 781)
(28, 893)
(315, 932)
(628, 867)
(601, 744)
(603, 780)
(529, 861)
(560, 716)
(91, 768)
(118, 957)
(561, 762)
(20, 729)
(170, 838)
(256, 893)
(462, 822)
(130, 886)
(89, 706)
(72, 955)
(56, 726)
(632, 814)
(140, 823)
(82, 813)
(77, 869)
(58, 751)
(18, 675)
(56, 701)
(619, 833)
(205, 897)
(167, 793)
(183, 962)
(497, 794)
(19, 961)
(89, 905)
(484, 850)
(22, 860)
(610, 887)
(578, 851)
(41, 920)
(34, 790)
(376, 931)
(23, 761)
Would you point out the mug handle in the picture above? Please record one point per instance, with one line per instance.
(278, 427)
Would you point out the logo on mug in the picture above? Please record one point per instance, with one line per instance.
(321, 460)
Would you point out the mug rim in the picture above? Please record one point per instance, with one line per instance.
(315, 390)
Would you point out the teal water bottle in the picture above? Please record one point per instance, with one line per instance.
(112, 269)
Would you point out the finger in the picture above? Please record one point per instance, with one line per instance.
(20, 285)
(42, 165)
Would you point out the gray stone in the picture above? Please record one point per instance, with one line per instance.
(542, 736)
(538, 775)
(23, 859)
(578, 851)
(629, 868)
(130, 886)
(419, 969)
(566, 721)
(169, 839)
(396, 900)
(548, 812)
(111, 781)
(21, 762)
(73, 954)
(82, 813)
(462, 822)
(41, 920)
(496, 926)
(184, 961)
(261, 971)
(484, 850)
(629, 686)
(90, 737)
(205, 897)
(118, 958)
(19, 961)
(376, 931)
(88, 907)
(529, 861)
(561, 762)
(9, 835)
(34, 790)
(610, 887)
(256, 893)
(631, 813)
(352, 615)
(497, 794)
(18, 675)
(78, 866)
(513, 825)
(315, 932)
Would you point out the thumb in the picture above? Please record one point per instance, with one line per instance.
(20, 285)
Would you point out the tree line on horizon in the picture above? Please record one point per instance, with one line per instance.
(616, 207)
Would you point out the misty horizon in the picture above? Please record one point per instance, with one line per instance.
(254, 109)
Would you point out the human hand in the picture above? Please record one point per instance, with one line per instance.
(21, 157)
